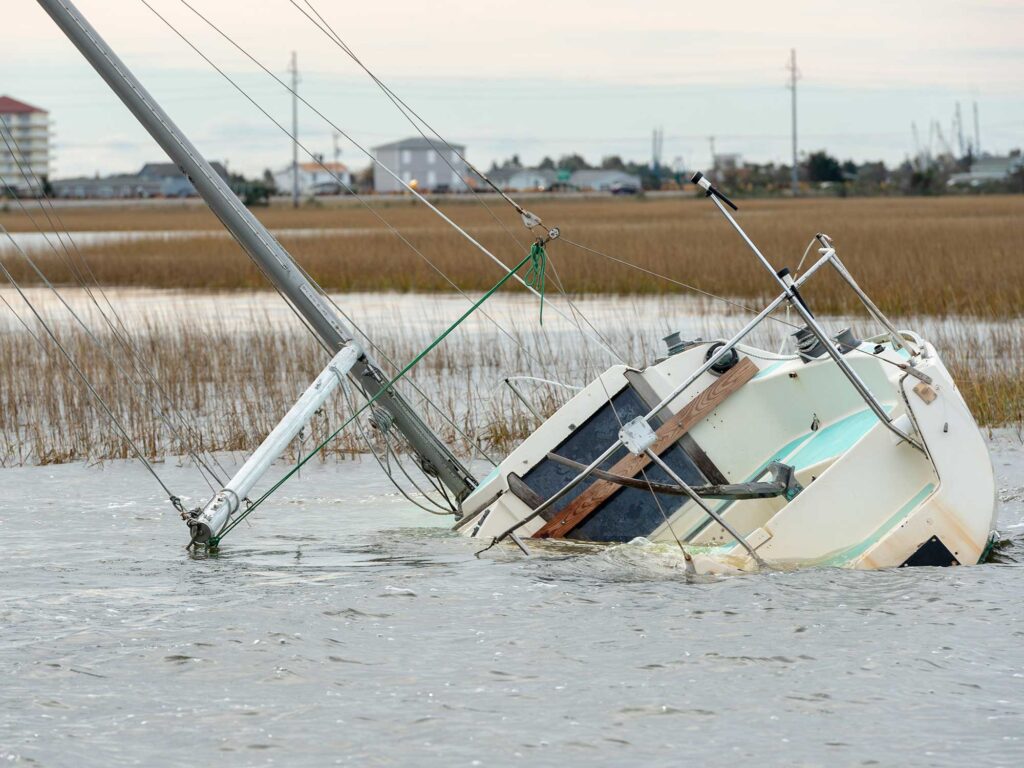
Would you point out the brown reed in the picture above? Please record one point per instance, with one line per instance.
(232, 387)
(938, 256)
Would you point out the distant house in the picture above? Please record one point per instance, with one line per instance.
(153, 180)
(123, 186)
(516, 179)
(598, 180)
(418, 160)
(313, 178)
(24, 145)
(172, 182)
(988, 169)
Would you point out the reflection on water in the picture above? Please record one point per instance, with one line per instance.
(344, 626)
(632, 325)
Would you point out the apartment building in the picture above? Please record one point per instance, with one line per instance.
(24, 146)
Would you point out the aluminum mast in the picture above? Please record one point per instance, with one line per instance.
(261, 246)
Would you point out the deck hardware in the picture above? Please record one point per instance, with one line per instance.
(726, 361)
(530, 220)
(925, 392)
(675, 344)
(637, 435)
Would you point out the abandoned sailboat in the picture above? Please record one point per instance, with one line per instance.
(853, 453)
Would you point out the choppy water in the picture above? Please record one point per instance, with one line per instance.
(343, 626)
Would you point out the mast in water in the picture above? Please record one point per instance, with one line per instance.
(262, 247)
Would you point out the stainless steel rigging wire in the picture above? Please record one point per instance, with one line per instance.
(175, 500)
(157, 409)
(138, 363)
(373, 159)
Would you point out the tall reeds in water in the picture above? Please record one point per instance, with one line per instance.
(232, 386)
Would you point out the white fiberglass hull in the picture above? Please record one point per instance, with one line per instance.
(868, 499)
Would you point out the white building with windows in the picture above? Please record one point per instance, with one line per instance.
(315, 179)
(24, 146)
(433, 166)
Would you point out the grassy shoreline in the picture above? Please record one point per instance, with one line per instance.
(937, 256)
(940, 257)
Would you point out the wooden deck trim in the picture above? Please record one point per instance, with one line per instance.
(584, 505)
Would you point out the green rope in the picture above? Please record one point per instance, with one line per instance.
(538, 261)
(535, 275)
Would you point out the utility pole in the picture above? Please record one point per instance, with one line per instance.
(711, 146)
(794, 75)
(918, 155)
(337, 149)
(295, 129)
(977, 132)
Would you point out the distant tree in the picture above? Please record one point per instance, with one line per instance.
(573, 162)
(364, 179)
(268, 179)
(47, 186)
(872, 173)
(1016, 181)
(821, 166)
(926, 182)
(612, 163)
(547, 164)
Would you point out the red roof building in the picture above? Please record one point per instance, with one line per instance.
(9, 106)
(25, 147)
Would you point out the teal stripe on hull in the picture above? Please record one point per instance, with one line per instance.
(846, 556)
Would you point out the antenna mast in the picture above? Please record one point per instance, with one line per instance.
(307, 299)
(977, 132)
(794, 75)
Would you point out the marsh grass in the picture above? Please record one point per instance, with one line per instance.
(937, 256)
(945, 257)
(233, 386)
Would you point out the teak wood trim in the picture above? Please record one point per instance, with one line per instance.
(577, 510)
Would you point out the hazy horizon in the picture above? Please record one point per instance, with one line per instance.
(587, 77)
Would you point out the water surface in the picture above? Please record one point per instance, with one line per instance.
(344, 626)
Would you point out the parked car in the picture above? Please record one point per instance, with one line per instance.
(619, 188)
(324, 188)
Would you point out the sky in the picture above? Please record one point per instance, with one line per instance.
(533, 78)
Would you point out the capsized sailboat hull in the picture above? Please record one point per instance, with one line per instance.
(867, 499)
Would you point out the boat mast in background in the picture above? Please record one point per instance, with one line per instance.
(307, 299)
